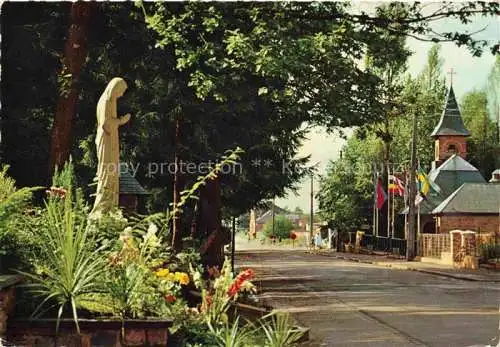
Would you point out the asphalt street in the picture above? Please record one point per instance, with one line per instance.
(355, 304)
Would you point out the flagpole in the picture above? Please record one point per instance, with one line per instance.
(418, 221)
(406, 203)
(393, 208)
(418, 229)
(388, 206)
(374, 176)
(378, 213)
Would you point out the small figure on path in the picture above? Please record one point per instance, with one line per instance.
(318, 242)
(108, 149)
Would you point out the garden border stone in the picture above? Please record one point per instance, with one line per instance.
(93, 332)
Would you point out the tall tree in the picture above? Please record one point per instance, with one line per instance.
(75, 52)
(428, 90)
(493, 90)
(347, 189)
(32, 39)
(482, 148)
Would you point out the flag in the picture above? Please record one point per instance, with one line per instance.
(423, 185)
(381, 195)
(396, 186)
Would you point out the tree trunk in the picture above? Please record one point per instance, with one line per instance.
(176, 233)
(212, 251)
(75, 52)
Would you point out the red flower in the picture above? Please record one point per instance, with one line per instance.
(170, 298)
(239, 280)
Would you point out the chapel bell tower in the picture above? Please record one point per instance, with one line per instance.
(450, 134)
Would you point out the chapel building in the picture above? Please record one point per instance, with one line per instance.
(465, 200)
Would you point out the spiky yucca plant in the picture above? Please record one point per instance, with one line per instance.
(71, 265)
(279, 331)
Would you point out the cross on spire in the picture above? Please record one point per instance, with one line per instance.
(451, 73)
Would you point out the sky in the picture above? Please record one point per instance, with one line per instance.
(471, 73)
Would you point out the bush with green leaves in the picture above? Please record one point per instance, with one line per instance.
(282, 227)
(490, 251)
(13, 205)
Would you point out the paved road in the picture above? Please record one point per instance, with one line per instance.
(355, 304)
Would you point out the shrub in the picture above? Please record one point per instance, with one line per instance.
(282, 227)
(489, 251)
(13, 202)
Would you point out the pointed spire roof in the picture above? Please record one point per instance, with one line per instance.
(451, 122)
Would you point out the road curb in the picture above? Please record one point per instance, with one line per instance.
(407, 268)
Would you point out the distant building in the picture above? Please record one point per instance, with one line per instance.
(260, 217)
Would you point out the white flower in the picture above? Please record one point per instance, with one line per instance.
(127, 230)
(153, 229)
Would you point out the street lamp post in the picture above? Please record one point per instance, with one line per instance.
(312, 210)
(311, 221)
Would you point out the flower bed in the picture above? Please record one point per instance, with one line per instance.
(115, 281)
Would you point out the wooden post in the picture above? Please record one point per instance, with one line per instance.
(233, 245)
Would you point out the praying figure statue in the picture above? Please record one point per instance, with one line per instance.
(108, 149)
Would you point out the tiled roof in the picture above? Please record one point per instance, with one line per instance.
(452, 174)
(451, 122)
(130, 185)
(472, 198)
(269, 215)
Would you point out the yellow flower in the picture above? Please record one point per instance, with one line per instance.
(182, 278)
(170, 277)
(162, 273)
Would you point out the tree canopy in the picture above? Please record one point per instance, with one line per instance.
(253, 75)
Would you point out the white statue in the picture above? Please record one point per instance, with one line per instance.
(108, 148)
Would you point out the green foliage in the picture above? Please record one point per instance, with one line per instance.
(346, 194)
(72, 266)
(232, 335)
(493, 90)
(279, 331)
(482, 146)
(489, 251)
(106, 228)
(65, 178)
(282, 227)
(347, 190)
(13, 202)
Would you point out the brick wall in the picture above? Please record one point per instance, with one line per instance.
(483, 224)
(442, 144)
(94, 333)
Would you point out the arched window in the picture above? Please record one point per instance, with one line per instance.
(452, 148)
